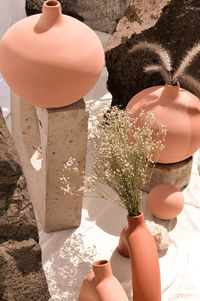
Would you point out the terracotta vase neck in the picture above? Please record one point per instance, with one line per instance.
(102, 269)
(170, 92)
(51, 14)
(135, 221)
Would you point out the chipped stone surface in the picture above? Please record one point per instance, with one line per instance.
(177, 174)
(21, 274)
(45, 139)
(99, 15)
(166, 22)
(139, 16)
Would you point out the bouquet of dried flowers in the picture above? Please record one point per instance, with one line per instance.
(120, 163)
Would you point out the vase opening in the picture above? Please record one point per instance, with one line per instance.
(134, 216)
(52, 3)
(100, 262)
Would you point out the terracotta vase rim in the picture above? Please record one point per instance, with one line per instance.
(135, 216)
(101, 262)
(102, 269)
(173, 86)
(54, 3)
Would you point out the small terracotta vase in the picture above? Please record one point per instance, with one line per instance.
(179, 111)
(137, 242)
(51, 60)
(165, 201)
(101, 285)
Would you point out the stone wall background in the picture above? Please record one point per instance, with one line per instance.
(102, 15)
(172, 23)
(21, 274)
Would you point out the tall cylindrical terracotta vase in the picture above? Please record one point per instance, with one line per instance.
(101, 285)
(137, 242)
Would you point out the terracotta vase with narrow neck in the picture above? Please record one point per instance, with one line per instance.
(137, 242)
(179, 111)
(101, 285)
(51, 60)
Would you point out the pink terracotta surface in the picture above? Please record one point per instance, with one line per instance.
(101, 285)
(137, 242)
(49, 59)
(179, 111)
(165, 201)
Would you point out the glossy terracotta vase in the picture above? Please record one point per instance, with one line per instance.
(137, 242)
(101, 285)
(179, 111)
(49, 59)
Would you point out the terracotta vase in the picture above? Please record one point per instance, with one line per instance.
(179, 111)
(165, 201)
(49, 59)
(101, 285)
(137, 242)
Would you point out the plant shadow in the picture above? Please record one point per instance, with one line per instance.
(67, 265)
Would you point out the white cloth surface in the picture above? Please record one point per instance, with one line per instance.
(68, 255)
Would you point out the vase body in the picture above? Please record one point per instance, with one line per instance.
(179, 111)
(49, 59)
(165, 201)
(137, 242)
(101, 285)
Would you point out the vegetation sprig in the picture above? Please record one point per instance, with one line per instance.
(120, 163)
(171, 77)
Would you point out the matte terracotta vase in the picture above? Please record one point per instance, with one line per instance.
(137, 242)
(101, 285)
(165, 201)
(51, 60)
(179, 111)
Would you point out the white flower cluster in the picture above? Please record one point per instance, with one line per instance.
(122, 148)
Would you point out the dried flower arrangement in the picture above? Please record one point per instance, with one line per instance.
(165, 67)
(119, 163)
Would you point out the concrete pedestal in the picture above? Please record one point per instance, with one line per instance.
(177, 174)
(45, 139)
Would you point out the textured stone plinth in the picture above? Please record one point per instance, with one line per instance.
(177, 174)
(45, 139)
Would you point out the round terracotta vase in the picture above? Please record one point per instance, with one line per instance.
(179, 111)
(101, 285)
(137, 242)
(51, 60)
(165, 201)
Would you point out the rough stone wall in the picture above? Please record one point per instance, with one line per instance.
(21, 274)
(172, 23)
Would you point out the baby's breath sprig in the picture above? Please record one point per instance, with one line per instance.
(122, 148)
